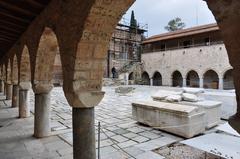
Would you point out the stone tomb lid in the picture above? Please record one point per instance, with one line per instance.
(205, 103)
(168, 107)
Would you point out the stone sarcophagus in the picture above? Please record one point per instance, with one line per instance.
(182, 120)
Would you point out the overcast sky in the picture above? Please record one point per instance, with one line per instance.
(157, 13)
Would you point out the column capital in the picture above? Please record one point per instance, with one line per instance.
(83, 99)
(42, 88)
(25, 85)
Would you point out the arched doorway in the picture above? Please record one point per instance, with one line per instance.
(157, 79)
(145, 79)
(211, 80)
(130, 76)
(228, 80)
(177, 79)
(192, 79)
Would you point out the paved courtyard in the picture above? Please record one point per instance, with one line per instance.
(119, 132)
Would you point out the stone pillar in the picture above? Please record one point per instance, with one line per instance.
(9, 89)
(220, 85)
(184, 82)
(83, 104)
(1, 86)
(15, 96)
(24, 110)
(42, 110)
(5, 88)
(151, 81)
(83, 133)
(201, 82)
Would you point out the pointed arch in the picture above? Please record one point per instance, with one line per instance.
(145, 78)
(228, 80)
(15, 70)
(45, 57)
(25, 68)
(157, 79)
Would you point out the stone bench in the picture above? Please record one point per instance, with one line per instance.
(182, 120)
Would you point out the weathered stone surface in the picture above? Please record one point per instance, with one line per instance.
(186, 121)
(174, 98)
(193, 90)
(212, 111)
(189, 97)
(124, 90)
(163, 94)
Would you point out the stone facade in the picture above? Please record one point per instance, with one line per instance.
(195, 58)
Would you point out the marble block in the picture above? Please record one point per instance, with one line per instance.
(182, 120)
(212, 111)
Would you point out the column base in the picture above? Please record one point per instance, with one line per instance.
(83, 133)
(42, 115)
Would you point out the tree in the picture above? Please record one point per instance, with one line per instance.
(133, 22)
(175, 24)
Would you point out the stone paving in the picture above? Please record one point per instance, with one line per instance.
(118, 130)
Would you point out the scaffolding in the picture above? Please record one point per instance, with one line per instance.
(125, 46)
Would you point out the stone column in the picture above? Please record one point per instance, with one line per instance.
(83, 123)
(9, 89)
(220, 86)
(42, 110)
(24, 110)
(83, 133)
(184, 82)
(1, 86)
(15, 96)
(151, 81)
(201, 82)
(5, 88)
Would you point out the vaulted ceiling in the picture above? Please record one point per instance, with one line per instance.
(15, 17)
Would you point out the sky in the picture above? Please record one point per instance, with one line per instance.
(157, 13)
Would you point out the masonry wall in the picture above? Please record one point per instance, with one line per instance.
(199, 59)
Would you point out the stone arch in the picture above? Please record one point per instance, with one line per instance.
(15, 70)
(157, 79)
(83, 59)
(45, 58)
(177, 79)
(192, 79)
(131, 76)
(228, 80)
(211, 79)
(145, 78)
(25, 68)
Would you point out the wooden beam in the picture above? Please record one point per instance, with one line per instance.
(23, 20)
(17, 9)
(35, 3)
(10, 24)
(2, 27)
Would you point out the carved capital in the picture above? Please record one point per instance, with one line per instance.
(25, 85)
(84, 99)
(41, 88)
